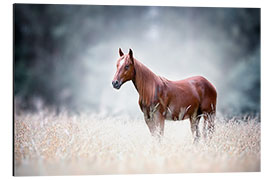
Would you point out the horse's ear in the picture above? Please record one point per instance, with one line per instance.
(121, 52)
(130, 54)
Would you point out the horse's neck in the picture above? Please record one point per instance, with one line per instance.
(145, 82)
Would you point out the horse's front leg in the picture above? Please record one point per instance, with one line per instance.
(155, 123)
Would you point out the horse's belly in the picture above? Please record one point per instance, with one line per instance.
(176, 119)
(176, 115)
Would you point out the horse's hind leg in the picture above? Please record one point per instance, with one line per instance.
(209, 111)
(204, 127)
(209, 124)
(194, 124)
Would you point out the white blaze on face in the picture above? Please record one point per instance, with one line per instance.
(122, 62)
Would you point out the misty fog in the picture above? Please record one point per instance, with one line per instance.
(65, 55)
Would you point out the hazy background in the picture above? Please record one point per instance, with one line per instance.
(65, 55)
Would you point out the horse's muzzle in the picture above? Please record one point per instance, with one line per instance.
(116, 84)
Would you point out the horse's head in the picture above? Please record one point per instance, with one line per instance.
(125, 69)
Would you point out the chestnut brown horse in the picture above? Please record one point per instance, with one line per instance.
(160, 98)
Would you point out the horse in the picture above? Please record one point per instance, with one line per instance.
(161, 99)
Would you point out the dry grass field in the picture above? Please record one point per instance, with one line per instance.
(49, 144)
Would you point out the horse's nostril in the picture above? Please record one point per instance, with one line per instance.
(115, 84)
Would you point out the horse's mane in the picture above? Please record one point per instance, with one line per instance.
(146, 82)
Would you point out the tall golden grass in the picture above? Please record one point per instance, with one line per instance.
(50, 144)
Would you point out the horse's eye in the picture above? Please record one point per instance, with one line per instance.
(126, 67)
